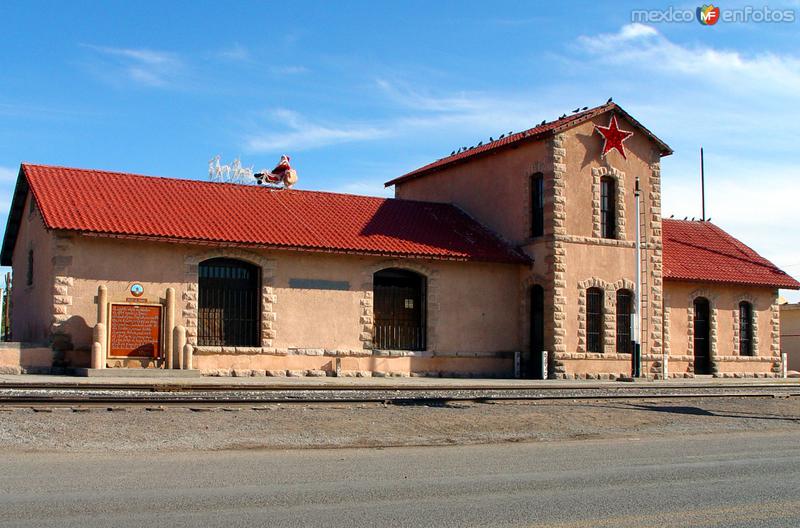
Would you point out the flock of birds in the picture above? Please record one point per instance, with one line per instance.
(693, 218)
(492, 139)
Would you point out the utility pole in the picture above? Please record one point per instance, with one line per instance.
(703, 184)
(636, 359)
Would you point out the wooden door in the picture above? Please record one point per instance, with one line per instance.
(399, 310)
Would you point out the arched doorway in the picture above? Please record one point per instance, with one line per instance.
(534, 368)
(228, 301)
(399, 309)
(702, 336)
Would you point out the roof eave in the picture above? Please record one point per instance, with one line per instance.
(664, 149)
(15, 213)
(795, 286)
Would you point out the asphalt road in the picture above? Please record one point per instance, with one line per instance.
(730, 480)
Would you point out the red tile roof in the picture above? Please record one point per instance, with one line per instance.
(531, 134)
(120, 204)
(701, 251)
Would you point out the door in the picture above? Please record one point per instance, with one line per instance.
(533, 368)
(399, 308)
(702, 347)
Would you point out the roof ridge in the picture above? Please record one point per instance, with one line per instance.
(160, 178)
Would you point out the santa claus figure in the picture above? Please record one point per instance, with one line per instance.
(283, 173)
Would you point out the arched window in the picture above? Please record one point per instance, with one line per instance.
(608, 212)
(745, 329)
(229, 300)
(624, 311)
(399, 310)
(537, 204)
(594, 320)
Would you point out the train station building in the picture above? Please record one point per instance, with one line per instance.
(483, 260)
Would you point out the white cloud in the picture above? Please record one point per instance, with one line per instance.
(289, 70)
(145, 67)
(8, 175)
(302, 134)
(728, 69)
(235, 53)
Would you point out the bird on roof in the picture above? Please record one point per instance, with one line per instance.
(609, 100)
(480, 143)
(685, 217)
(584, 108)
(563, 116)
(692, 219)
(491, 139)
(510, 132)
(453, 153)
(672, 216)
(543, 122)
(708, 219)
(576, 110)
(501, 136)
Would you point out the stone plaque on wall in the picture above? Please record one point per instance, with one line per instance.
(134, 330)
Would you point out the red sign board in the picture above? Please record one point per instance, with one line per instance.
(135, 331)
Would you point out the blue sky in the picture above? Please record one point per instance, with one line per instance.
(360, 92)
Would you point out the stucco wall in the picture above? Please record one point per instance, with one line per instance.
(31, 306)
(480, 186)
(472, 307)
(790, 334)
(724, 303)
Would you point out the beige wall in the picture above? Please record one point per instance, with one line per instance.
(790, 334)
(495, 189)
(724, 301)
(31, 306)
(472, 307)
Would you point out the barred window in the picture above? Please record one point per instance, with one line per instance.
(745, 329)
(624, 310)
(594, 320)
(608, 217)
(229, 300)
(537, 204)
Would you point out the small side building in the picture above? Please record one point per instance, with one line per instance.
(790, 334)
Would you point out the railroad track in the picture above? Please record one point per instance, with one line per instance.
(158, 394)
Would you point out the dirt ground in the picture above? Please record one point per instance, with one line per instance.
(325, 425)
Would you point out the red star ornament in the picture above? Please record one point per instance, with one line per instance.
(613, 137)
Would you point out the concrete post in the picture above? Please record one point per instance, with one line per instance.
(97, 356)
(102, 318)
(99, 342)
(169, 325)
(665, 367)
(187, 356)
(784, 366)
(544, 364)
(178, 342)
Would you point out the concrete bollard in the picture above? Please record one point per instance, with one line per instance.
(784, 366)
(102, 315)
(178, 342)
(97, 356)
(99, 338)
(544, 364)
(169, 323)
(187, 356)
(338, 367)
(665, 367)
